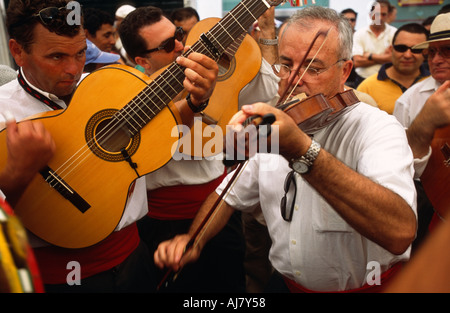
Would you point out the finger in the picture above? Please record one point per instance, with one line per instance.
(10, 121)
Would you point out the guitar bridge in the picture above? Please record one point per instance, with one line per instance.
(64, 189)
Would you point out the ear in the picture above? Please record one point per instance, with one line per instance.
(144, 62)
(17, 52)
(347, 69)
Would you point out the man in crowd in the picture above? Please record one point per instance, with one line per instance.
(406, 68)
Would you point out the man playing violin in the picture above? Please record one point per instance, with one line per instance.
(340, 204)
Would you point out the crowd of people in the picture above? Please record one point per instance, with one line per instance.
(339, 208)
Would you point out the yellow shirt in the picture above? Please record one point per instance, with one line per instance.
(384, 90)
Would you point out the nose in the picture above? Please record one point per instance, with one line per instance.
(74, 66)
(295, 77)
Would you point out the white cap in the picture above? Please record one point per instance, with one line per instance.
(124, 10)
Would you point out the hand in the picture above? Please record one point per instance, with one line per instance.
(171, 253)
(30, 147)
(200, 76)
(437, 108)
(292, 141)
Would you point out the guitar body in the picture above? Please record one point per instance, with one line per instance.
(121, 125)
(436, 177)
(236, 69)
(100, 175)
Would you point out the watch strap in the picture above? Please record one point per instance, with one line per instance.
(196, 109)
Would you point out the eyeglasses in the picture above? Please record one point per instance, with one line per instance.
(49, 15)
(283, 71)
(444, 52)
(169, 44)
(404, 48)
(287, 207)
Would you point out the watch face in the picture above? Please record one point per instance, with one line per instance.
(300, 167)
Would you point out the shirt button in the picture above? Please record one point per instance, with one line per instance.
(294, 242)
(296, 207)
(297, 273)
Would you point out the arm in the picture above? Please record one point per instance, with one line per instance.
(30, 147)
(369, 59)
(434, 114)
(171, 253)
(368, 208)
(266, 23)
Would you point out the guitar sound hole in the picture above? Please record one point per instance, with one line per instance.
(106, 138)
(112, 139)
(227, 67)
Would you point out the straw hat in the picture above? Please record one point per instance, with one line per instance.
(439, 31)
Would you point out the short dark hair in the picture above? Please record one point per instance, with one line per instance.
(95, 18)
(414, 28)
(21, 20)
(133, 43)
(349, 11)
(182, 14)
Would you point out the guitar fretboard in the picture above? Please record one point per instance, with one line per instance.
(157, 95)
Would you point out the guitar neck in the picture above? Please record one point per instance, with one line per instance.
(157, 95)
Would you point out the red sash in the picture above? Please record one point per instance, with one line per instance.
(95, 259)
(366, 288)
(179, 202)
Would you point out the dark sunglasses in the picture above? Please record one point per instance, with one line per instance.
(287, 207)
(404, 48)
(351, 19)
(169, 44)
(443, 52)
(49, 15)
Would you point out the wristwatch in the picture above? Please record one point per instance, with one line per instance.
(196, 109)
(268, 42)
(303, 164)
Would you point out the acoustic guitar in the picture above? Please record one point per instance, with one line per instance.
(117, 128)
(238, 65)
(436, 177)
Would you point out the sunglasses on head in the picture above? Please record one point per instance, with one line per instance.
(49, 15)
(169, 44)
(444, 52)
(404, 48)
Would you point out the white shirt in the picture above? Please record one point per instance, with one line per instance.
(318, 249)
(408, 106)
(20, 104)
(364, 40)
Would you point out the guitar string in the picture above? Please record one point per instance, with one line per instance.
(114, 124)
(101, 137)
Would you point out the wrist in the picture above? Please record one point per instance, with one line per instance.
(196, 108)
